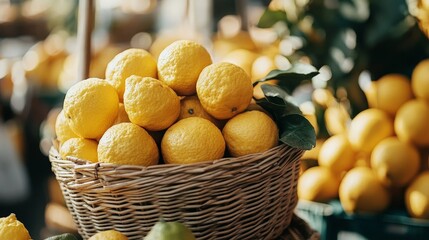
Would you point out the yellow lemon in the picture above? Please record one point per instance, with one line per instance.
(11, 228)
(242, 58)
(180, 64)
(224, 90)
(368, 128)
(361, 191)
(420, 80)
(150, 103)
(192, 140)
(190, 106)
(127, 143)
(81, 148)
(250, 132)
(62, 128)
(417, 196)
(411, 122)
(389, 93)
(318, 184)
(132, 61)
(91, 107)
(396, 163)
(337, 154)
(108, 235)
(122, 114)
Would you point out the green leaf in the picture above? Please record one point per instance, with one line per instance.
(276, 95)
(296, 131)
(269, 18)
(298, 71)
(292, 77)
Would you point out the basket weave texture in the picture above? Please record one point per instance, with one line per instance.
(249, 197)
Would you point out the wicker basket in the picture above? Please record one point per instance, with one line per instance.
(249, 197)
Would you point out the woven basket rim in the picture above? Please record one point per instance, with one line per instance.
(200, 166)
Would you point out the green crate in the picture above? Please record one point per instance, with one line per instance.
(333, 223)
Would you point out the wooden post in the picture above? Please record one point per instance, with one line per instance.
(85, 23)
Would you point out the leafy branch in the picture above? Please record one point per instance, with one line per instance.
(295, 130)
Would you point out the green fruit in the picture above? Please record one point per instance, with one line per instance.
(169, 231)
(65, 236)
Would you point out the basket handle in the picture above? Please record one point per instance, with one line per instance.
(85, 24)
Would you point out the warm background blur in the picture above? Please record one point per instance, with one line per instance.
(351, 42)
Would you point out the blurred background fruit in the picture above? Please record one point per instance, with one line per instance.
(318, 184)
(361, 191)
(396, 163)
(417, 197)
(368, 128)
(411, 122)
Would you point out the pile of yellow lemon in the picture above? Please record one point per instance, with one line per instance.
(181, 108)
(381, 156)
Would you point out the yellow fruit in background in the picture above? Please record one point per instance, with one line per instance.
(412, 122)
(363, 160)
(81, 148)
(180, 64)
(108, 235)
(313, 153)
(396, 163)
(323, 97)
(242, 58)
(389, 93)
(417, 196)
(190, 106)
(192, 140)
(132, 61)
(101, 58)
(127, 143)
(224, 90)
(337, 154)
(261, 67)
(312, 118)
(250, 132)
(150, 103)
(122, 115)
(361, 191)
(11, 228)
(163, 39)
(62, 128)
(368, 128)
(36, 63)
(223, 45)
(91, 107)
(420, 80)
(337, 119)
(318, 184)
